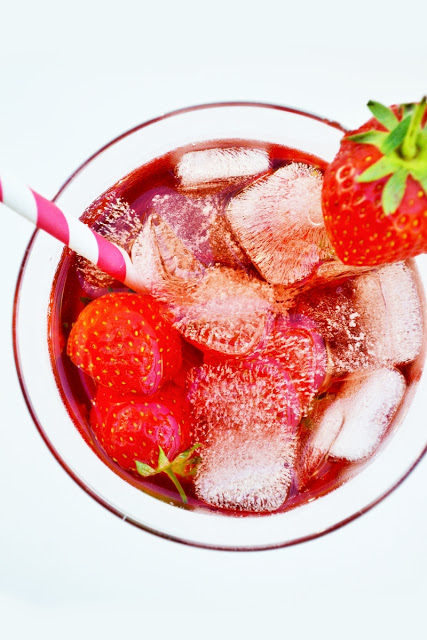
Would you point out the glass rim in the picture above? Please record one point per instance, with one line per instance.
(176, 112)
(36, 420)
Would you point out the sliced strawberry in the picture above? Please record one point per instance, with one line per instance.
(297, 345)
(121, 341)
(144, 435)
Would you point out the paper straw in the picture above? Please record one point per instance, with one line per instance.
(45, 215)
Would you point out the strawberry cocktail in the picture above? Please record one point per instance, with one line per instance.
(254, 371)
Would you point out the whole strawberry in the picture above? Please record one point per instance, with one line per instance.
(121, 341)
(145, 435)
(374, 195)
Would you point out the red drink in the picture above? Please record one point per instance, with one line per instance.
(310, 346)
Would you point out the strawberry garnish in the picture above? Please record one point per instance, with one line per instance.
(122, 341)
(145, 435)
(375, 190)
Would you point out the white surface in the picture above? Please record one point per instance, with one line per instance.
(72, 78)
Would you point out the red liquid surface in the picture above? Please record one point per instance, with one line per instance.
(70, 296)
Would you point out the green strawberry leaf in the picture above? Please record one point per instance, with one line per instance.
(422, 139)
(383, 114)
(163, 459)
(376, 138)
(407, 109)
(394, 190)
(409, 144)
(383, 167)
(386, 142)
(144, 469)
(396, 137)
(185, 464)
(403, 148)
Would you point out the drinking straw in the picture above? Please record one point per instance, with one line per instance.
(44, 214)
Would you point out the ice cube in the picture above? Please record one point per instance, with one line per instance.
(165, 265)
(118, 222)
(404, 313)
(278, 221)
(115, 220)
(216, 307)
(350, 425)
(224, 247)
(245, 416)
(368, 321)
(228, 312)
(346, 323)
(332, 270)
(189, 218)
(248, 474)
(199, 223)
(218, 166)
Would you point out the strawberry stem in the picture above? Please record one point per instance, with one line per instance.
(409, 147)
(185, 464)
(177, 484)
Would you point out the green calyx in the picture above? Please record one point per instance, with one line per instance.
(184, 465)
(404, 150)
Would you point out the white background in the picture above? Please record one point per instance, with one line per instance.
(73, 76)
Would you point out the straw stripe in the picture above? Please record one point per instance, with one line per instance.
(51, 219)
(17, 196)
(82, 239)
(111, 259)
(1, 192)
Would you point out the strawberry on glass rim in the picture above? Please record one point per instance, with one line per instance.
(374, 195)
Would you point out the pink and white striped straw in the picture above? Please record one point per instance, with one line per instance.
(45, 215)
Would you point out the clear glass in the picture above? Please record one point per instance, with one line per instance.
(263, 122)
